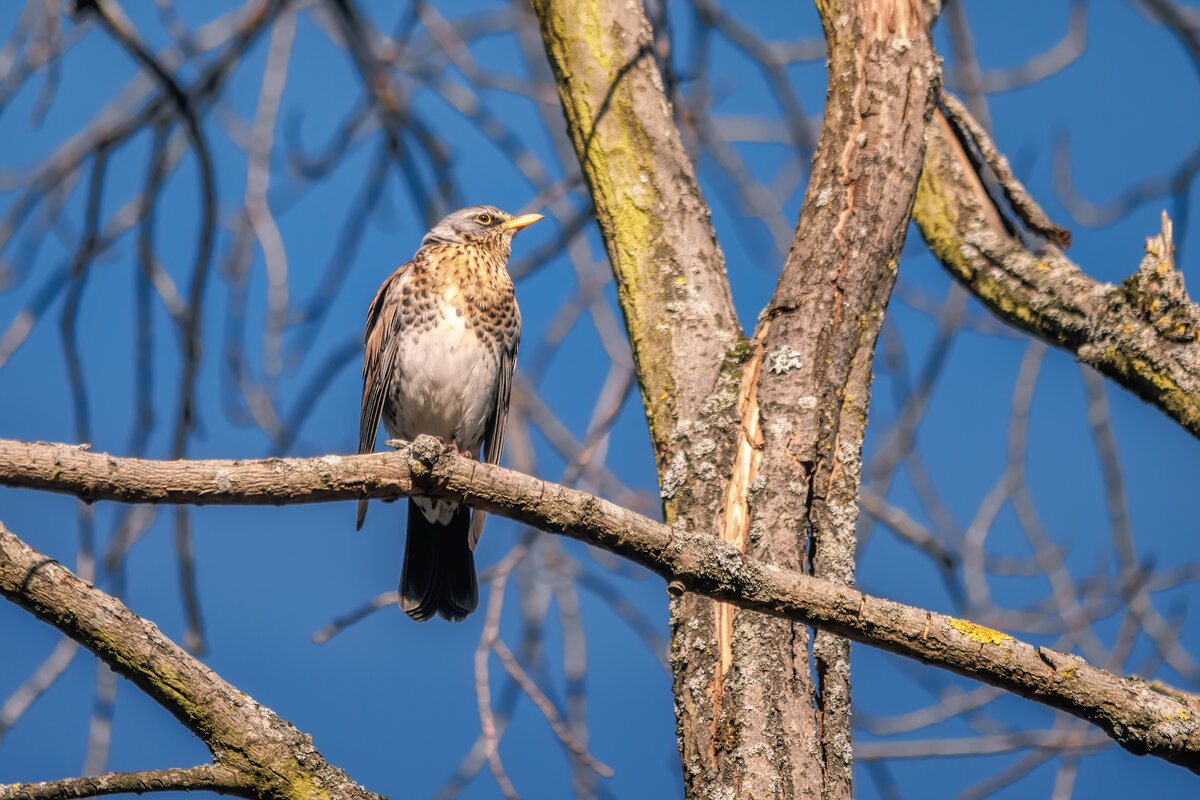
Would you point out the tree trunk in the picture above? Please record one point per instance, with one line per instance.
(758, 442)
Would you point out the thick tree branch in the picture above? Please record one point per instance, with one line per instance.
(271, 757)
(1144, 334)
(669, 269)
(207, 778)
(793, 496)
(1141, 718)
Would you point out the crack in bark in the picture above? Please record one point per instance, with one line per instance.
(735, 518)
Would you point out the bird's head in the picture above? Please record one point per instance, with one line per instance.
(479, 225)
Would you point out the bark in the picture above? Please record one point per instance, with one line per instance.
(688, 345)
(207, 778)
(1144, 718)
(1143, 334)
(760, 724)
(669, 269)
(702, 386)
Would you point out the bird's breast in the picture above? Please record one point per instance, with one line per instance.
(446, 373)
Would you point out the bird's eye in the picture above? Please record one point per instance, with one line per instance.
(484, 218)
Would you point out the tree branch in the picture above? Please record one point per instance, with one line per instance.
(1144, 334)
(793, 496)
(207, 777)
(1141, 718)
(657, 228)
(272, 758)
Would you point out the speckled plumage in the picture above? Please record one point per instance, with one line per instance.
(441, 345)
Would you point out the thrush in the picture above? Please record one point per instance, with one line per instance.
(441, 346)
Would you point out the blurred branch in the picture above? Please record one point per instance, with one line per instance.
(1181, 21)
(483, 694)
(42, 679)
(392, 108)
(1055, 741)
(1041, 66)
(1132, 712)
(1175, 184)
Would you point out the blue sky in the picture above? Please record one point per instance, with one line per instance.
(393, 702)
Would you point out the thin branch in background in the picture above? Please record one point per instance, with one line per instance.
(974, 569)
(952, 702)
(258, 175)
(909, 530)
(619, 604)
(392, 109)
(560, 729)
(899, 445)
(491, 633)
(1176, 184)
(185, 556)
(1057, 742)
(1064, 779)
(1062, 54)
(379, 601)
(1178, 19)
(100, 727)
(476, 757)
(42, 679)
(321, 380)
(50, 47)
(312, 312)
(1009, 775)
(574, 666)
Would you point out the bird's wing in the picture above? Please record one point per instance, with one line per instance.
(378, 361)
(493, 436)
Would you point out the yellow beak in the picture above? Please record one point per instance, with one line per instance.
(523, 221)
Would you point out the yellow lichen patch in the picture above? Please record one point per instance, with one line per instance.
(302, 785)
(978, 633)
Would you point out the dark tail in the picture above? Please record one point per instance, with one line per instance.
(439, 568)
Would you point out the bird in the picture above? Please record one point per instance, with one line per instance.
(440, 350)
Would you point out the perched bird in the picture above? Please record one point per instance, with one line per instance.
(441, 345)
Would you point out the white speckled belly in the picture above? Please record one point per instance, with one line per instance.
(445, 386)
